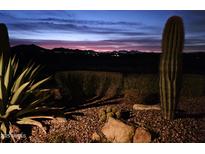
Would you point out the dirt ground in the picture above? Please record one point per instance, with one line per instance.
(80, 124)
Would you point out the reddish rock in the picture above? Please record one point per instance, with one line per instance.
(142, 135)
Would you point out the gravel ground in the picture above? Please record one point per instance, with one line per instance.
(186, 128)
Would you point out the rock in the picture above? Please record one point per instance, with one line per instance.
(142, 136)
(146, 107)
(95, 137)
(118, 132)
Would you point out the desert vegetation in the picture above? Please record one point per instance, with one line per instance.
(22, 102)
(72, 105)
(171, 65)
(132, 86)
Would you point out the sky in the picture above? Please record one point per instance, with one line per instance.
(101, 30)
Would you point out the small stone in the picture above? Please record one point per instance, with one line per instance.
(142, 135)
(60, 119)
(146, 107)
(95, 137)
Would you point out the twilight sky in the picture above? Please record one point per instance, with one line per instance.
(101, 30)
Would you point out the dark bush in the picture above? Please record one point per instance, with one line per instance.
(151, 99)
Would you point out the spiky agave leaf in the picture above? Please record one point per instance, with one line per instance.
(42, 92)
(31, 107)
(15, 67)
(36, 97)
(8, 75)
(29, 121)
(19, 80)
(13, 60)
(30, 70)
(40, 117)
(34, 72)
(9, 72)
(3, 128)
(10, 109)
(19, 93)
(36, 85)
(25, 76)
(37, 110)
(44, 109)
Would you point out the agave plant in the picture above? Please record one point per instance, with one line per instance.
(20, 102)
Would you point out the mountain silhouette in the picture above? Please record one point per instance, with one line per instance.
(59, 59)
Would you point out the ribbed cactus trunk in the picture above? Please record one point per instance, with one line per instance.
(4, 42)
(171, 66)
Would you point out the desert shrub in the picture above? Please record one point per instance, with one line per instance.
(110, 111)
(114, 85)
(71, 84)
(193, 85)
(133, 95)
(88, 84)
(140, 87)
(136, 88)
(141, 83)
(103, 84)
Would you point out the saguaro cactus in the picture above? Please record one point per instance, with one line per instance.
(170, 66)
(4, 42)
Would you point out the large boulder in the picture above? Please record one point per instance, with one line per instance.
(117, 132)
(142, 135)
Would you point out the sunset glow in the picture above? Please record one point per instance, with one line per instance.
(101, 30)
